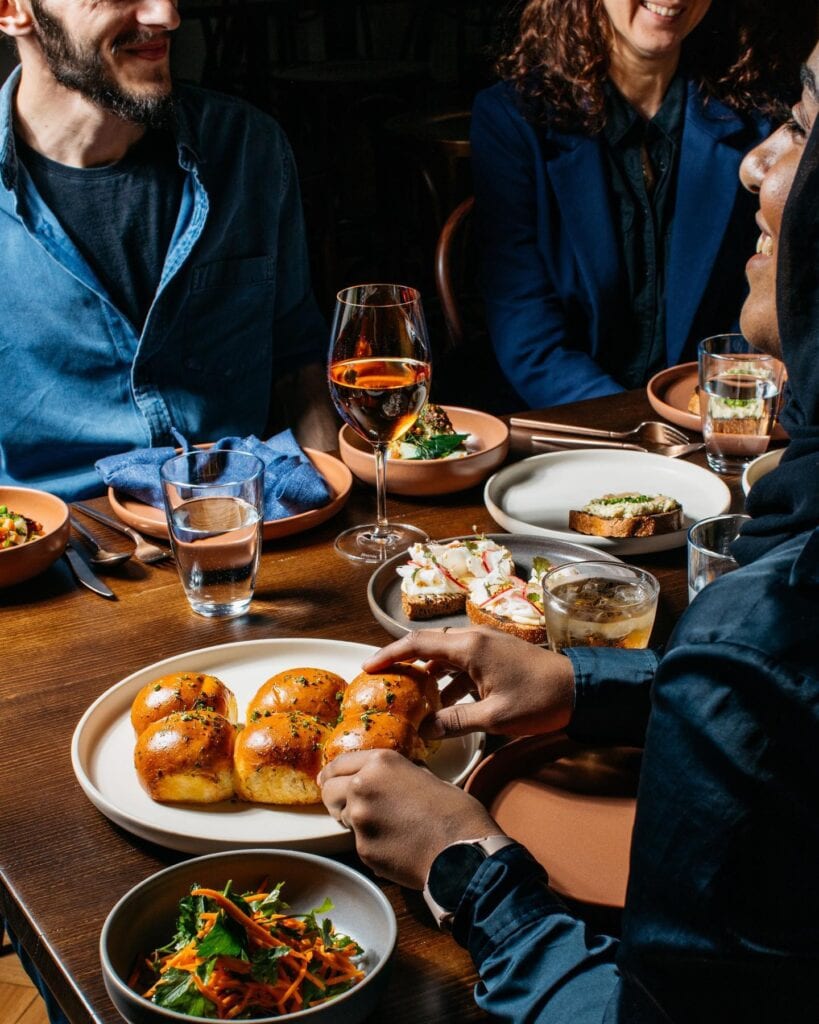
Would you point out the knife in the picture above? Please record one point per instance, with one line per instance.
(84, 574)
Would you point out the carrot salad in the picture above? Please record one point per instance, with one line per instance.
(244, 956)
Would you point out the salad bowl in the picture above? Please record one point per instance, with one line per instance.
(145, 918)
(486, 446)
(22, 561)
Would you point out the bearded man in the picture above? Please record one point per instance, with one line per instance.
(155, 271)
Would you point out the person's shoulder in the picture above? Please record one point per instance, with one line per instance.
(208, 111)
(500, 108)
(719, 119)
(770, 605)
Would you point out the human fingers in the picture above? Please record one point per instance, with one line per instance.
(445, 646)
(457, 688)
(462, 719)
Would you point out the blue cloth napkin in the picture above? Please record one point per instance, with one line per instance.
(292, 484)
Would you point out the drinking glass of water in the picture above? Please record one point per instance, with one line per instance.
(739, 400)
(213, 503)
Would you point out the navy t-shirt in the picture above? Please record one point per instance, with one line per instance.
(121, 216)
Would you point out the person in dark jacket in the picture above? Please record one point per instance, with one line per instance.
(721, 921)
(612, 230)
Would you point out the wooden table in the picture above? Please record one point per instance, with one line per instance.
(63, 865)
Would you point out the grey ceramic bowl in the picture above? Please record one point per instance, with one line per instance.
(145, 917)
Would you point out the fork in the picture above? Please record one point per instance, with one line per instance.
(672, 451)
(649, 432)
(144, 551)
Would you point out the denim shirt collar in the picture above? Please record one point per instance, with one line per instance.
(187, 140)
(8, 154)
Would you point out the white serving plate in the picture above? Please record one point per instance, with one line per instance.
(103, 743)
(535, 495)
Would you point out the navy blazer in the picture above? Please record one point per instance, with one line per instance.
(554, 276)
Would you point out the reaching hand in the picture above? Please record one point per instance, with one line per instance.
(401, 814)
(521, 689)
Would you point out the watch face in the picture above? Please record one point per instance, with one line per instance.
(451, 873)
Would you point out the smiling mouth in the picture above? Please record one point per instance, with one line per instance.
(764, 245)
(660, 9)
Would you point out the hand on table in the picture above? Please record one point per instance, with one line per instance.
(402, 815)
(520, 689)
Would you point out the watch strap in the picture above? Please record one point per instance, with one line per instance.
(487, 846)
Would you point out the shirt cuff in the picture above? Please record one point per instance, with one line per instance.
(612, 693)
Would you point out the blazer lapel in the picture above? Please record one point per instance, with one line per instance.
(707, 183)
(578, 177)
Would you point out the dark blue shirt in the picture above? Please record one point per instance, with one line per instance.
(722, 913)
(642, 159)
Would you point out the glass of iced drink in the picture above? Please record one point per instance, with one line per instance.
(599, 604)
(739, 392)
(213, 505)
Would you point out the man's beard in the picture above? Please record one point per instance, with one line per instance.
(84, 71)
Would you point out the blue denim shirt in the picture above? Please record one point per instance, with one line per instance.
(722, 913)
(233, 309)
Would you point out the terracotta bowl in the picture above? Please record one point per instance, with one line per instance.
(422, 477)
(26, 560)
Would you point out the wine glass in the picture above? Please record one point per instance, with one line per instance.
(379, 375)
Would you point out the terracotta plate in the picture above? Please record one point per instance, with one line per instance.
(384, 588)
(423, 477)
(571, 806)
(150, 520)
(669, 392)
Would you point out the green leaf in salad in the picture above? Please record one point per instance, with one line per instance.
(177, 991)
(436, 447)
(226, 938)
(540, 566)
(265, 964)
(272, 903)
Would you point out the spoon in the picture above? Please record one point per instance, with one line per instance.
(99, 555)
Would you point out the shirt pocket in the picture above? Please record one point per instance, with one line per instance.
(229, 318)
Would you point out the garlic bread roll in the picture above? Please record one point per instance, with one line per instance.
(181, 691)
(187, 756)
(278, 757)
(315, 691)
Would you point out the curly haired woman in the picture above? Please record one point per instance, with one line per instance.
(613, 231)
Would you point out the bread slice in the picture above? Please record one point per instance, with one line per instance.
(431, 606)
(626, 526)
(745, 425)
(483, 617)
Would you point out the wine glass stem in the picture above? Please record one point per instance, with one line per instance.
(382, 528)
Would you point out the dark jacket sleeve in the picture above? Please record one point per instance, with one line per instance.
(612, 694)
(526, 315)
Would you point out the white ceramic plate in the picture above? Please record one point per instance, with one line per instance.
(103, 744)
(535, 495)
(760, 467)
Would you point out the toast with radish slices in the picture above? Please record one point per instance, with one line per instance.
(511, 604)
(436, 579)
